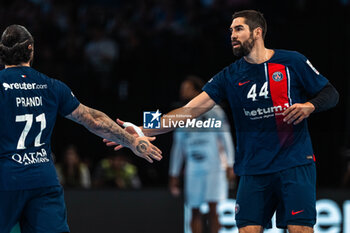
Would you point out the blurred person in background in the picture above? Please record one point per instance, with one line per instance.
(118, 172)
(30, 191)
(101, 52)
(208, 157)
(72, 172)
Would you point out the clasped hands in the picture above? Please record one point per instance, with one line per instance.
(141, 146)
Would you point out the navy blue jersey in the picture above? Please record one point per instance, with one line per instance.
(29, 103)
(258, 94)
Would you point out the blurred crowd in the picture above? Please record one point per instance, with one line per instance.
(128, 56)
(113, 171)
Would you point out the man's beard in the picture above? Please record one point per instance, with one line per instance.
(245, 48)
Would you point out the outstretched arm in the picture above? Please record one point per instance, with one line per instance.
(199, 105)
(100, 124)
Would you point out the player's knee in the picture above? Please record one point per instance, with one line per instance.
(300, 229)
(251, 229)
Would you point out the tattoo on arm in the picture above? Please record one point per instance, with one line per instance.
(100, 124)
(142, 146)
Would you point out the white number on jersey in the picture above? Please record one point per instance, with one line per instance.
(42, 120)
(263, 92)
(252, 93)
(28, 118)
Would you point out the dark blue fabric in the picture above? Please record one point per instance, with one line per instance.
(29, 103)
(40, 210)
(260, 149)
(292, 193)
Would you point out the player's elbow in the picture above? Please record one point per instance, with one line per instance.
(333, 98)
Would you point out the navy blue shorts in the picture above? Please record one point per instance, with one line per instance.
(291, 193)
(40, 210)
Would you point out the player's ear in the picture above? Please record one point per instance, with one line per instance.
(257, 32)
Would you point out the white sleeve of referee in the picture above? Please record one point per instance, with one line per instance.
(176, 155)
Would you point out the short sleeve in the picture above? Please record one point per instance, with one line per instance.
(67, 101)
(215, 87)
(312, 81)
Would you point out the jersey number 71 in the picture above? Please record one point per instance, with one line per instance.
(28, 118)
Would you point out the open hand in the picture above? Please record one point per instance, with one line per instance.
(144, 149)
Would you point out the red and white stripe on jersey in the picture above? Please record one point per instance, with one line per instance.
(280, 95)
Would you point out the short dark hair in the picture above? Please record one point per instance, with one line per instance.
(14, 45)
(253, 19)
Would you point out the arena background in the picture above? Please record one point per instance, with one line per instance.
(150, 47)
